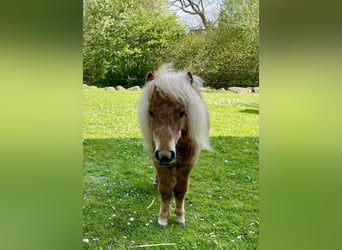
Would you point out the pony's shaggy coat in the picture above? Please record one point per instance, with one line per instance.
(175, 127)
(175, 85)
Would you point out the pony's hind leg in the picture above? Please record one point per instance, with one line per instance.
(155, 181)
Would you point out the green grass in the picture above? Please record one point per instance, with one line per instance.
(222, 203)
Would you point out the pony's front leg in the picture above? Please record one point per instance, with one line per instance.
(179, 210)
(164, 211)
(179, 191)
(166, 182)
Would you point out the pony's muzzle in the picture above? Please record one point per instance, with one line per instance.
(164, 157)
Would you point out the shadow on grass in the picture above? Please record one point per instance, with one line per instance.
(121, 202)
(250, 111)
(121, 160)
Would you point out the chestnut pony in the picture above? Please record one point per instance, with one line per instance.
(175, 127)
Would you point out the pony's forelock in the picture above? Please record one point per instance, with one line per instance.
(176, 86)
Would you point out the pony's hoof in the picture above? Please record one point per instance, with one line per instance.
(162, 223)
(161, 226)
(182, 224)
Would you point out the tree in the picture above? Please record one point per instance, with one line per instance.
(239, 21)
(198, 8)
(123, 40)
(241, 17)
(228, 54)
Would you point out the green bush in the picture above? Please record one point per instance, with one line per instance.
(220, 57)
(229, 54)
(123, 40)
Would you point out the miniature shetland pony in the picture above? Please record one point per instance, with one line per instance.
(175, 127)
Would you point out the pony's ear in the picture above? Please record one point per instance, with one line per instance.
(149, 77)
(191, 79)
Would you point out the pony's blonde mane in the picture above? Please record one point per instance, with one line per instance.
(176, 86)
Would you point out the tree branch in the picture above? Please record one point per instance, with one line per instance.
(182, 7)
(195, 9)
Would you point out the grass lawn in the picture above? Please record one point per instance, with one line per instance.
(222, 202)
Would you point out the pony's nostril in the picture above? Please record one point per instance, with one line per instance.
(156, 155)
(172, 155)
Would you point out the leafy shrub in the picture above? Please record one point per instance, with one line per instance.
(219, 57)
(123, 40)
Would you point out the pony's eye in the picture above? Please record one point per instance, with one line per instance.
(182, 113)
(151, 113)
